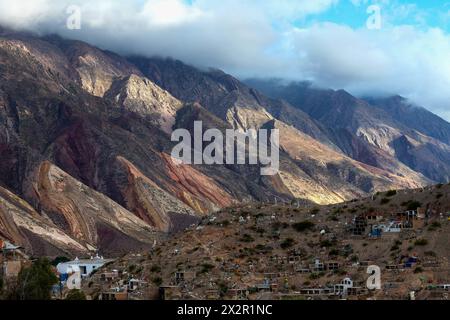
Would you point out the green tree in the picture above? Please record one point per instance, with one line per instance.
(35, 282)
(59, 259)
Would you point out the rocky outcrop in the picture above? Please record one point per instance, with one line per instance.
(242, 118)
(141, 96)
(22, 225)
(196, 189)
(413, 116)
(96, 69)
(150, 203)
(84, 213)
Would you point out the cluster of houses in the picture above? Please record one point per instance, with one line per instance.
(181, 289)
(122, 289)
(342, 290)
(120, 284)
(113, 284)
(374, 225)
(270, 285)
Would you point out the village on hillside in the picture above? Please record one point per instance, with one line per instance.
(276, 251)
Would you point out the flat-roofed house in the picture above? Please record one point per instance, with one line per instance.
(86, 266)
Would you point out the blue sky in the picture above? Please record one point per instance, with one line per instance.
(346, 12)
(353, 13)
(323, 41)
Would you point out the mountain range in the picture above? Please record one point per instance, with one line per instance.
(85, 143)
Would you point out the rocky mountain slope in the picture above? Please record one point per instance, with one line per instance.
(387, 133)
(414, 117)
(87, 215)
(140, 95)
(85, 140)
(19, 222)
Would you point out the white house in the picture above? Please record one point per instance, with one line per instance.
(342, 288)
(86, 266)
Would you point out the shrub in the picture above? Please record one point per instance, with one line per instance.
(430, 253)
(371, 210)
(263, 249)
(434, 226)
(76, 295)
(326, 243)
(223, 288)
(260, 231)
(391, 193)
(206, 268)
(287, 243)
(412, 205)
(334, 252)
(418, 270)
(247, 238)
(225, 223)
(303, 226)
(316, 275)
(385, 201)
(157, 281)
(276, 226)
(245, 253)
(342, 272)
(155, 269)
(421, 242)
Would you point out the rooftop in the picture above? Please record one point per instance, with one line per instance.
(92, 260)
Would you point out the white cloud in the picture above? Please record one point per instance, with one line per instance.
(170, 12)
(396, 60)
(359, 3)
(25, 14)
(259, 38)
